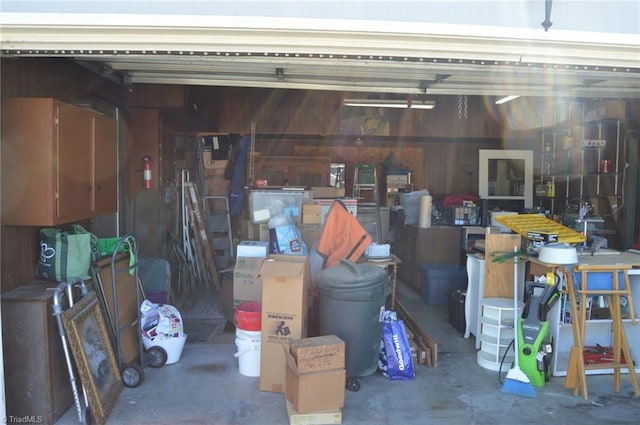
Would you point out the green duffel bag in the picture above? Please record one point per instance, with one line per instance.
(65, 253)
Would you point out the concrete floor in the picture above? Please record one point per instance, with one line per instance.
(205, 387)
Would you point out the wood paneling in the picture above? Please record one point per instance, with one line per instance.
(277, 111)
(145, 141)
(435, 144)
(156, 96)
(409, 157)
(58, 78)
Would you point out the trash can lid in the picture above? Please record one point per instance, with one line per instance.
(352, 275)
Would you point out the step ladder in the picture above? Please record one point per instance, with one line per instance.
(218, 225)
(365, 190)
(196, 243)
(215, 203)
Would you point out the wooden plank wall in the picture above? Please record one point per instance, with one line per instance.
(288, 121)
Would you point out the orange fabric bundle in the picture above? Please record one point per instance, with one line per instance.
(342, 237)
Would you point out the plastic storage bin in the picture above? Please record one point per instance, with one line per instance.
(350, 298)
(438, 280)
(155, 274)
(265, 204)
(602, 281)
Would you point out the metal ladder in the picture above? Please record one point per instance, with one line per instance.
(365, 181)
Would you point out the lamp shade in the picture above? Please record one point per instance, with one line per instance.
(558, 253)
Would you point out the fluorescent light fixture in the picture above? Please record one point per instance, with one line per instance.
(389, 103)
(507, 99)
(427, 104)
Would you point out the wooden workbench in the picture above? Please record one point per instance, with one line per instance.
(619, 265)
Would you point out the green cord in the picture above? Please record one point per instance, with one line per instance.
(501, 257)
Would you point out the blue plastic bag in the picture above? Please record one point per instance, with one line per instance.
(284, 237)
(395, 360)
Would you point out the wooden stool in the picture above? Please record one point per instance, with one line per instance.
(576, 372)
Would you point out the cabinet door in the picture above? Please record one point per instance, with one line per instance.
(73, 174)
(28, 155)
(105, 137)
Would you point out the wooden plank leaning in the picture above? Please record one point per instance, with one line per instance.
(207, 260)
(421, 335)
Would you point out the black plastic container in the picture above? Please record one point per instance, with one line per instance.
(456, 310)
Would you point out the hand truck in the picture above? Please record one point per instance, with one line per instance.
(130, 353)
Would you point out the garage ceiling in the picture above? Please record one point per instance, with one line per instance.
(411, 60)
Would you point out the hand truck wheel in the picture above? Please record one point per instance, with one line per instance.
(132, 375)
(158, 356)
(353, 384)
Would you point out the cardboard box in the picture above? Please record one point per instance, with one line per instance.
(350, 203)
(284, 314)
(542, 236)
(317, 418)
(327, 192)
(314, 391)
(254, 231)
(318, 353)
(213, 164)
(247, 282)
(252, 249)
(310, 233)
(311, 213)
(397, 180)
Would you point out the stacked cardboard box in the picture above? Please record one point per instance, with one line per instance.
(315, 374)
(311, 213)
(315, 418)
(214, 170)
(284, 314)
(252, 249)
(310, 233)
(246, 284)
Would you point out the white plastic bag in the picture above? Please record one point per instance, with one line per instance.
(160, 321)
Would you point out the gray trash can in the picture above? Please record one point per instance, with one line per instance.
(350, 298)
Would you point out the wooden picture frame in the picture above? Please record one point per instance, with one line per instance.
(93, 353)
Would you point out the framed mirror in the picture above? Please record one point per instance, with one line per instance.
(506, 174)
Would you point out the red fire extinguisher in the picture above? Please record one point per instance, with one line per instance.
(146, 172)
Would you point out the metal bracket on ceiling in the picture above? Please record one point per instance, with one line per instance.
(423, 86)
(106, 72)
(590, 82)
(280, 74)
(546, 24)
(441, 77)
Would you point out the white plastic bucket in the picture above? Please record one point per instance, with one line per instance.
(248, 353)
(248, 335)
(173, 346)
